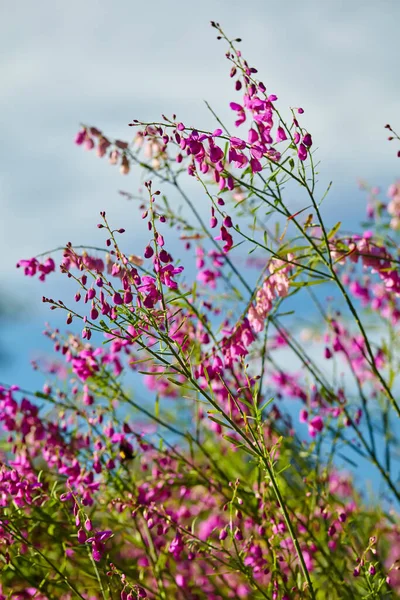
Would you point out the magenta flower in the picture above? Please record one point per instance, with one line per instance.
(33, 266)
(166, 275)
(239, 159)
(307, 140)
(80, 137)
(302, 152)
(241, 115)
(149, 288)
(97, 541)
(215, 153)
(303, 416)
(177, 546)
(255, 165)
(208, 277)
(281, 135)
(315, 425)
(81, 536)
(226, 237)
(237, 143)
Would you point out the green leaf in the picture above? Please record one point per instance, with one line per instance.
(237, 444)
(334, 230)
(176, 381)
(283, 469)
(246, 403)
(232, 441)
(219, 422)
(267, 403)
(299, 284)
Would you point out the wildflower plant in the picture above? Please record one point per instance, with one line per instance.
(192, 440)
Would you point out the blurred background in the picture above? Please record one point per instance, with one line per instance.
(104, 63)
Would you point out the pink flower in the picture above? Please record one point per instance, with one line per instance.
(252, 136)
(255, 165)
(237, 143)
(97, 541)
(33, 266)
(80, 137)
(255, 319)
(215, 153)
(303, 416)
(238, 158)
(166, 275)
(281, 135)
(226, 237)
(302, 152)
(241, 115)
(315, 426)
(149, 287)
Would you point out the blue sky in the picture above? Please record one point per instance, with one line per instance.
(105, 63)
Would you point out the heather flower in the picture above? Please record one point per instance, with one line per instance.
(80, 137)
(280, 135)
(302, 152)
(241, 115)
(226, 237)
(33, 266)
(97, 543)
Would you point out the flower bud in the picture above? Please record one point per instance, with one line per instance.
(88, 525)
(81, 536)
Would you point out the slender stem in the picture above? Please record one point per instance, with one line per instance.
(289, 525)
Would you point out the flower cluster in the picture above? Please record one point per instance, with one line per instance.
(275, 285)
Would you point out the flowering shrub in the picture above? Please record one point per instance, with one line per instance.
(233, 476)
